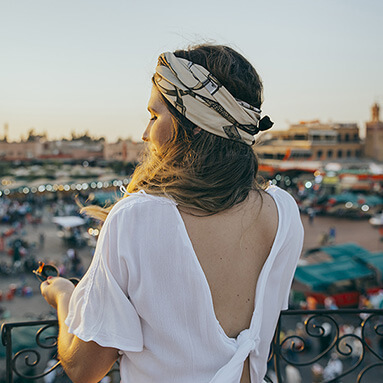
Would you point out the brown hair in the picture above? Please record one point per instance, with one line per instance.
(203, 171)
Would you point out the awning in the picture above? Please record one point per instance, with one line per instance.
(69, 221)
(373, 259)
(344, 250)
(318, 277)
(350, 262)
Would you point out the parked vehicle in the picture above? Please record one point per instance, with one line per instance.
(376, 220)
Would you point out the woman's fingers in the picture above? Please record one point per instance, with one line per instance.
(55, 286)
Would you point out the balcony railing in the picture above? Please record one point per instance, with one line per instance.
(344, 345)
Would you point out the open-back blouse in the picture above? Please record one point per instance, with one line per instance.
(146, 294)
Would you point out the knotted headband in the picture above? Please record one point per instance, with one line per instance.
(199, 97)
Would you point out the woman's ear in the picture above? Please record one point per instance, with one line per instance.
(196, 130)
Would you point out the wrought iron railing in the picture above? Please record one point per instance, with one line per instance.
(44, 340)
(330, 346)
(319, 346)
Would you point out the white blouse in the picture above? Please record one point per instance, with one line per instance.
(146, 294)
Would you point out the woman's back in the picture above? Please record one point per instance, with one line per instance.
(232, 247)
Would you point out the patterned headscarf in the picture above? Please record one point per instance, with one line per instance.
(199, 97)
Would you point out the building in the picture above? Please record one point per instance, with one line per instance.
(123, 150)
(27, 149)
(40, 149)
(74, 149)
(312, 140)
(20, 151)
(374, 136)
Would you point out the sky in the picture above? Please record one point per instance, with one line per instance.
(86, 65)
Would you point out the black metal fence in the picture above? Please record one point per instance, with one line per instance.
(343, 345)
(309, 346)
(25, 362)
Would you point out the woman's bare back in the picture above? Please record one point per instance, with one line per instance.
(232, 247)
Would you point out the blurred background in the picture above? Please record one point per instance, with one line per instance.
(75, 78)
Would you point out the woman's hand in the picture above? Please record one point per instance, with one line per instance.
(55, 287)
(83, 361)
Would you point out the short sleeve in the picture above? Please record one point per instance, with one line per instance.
(292, 248)
(100, 309)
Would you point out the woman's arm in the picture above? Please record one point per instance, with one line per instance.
(84, 362)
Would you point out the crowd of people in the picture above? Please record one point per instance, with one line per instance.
(23, 237)
(19, 255)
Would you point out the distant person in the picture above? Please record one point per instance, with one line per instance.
(41, 240)
(312, 303)
(2, 242)
(17, 250)
(171, 288)
(330, 304)
(333, 369)
(70, 254)
(317, 373)
(332, 235)
(311, 213)
(324, 239)
(292, 374)
(76, 262)
(381, 232)
(51, 376)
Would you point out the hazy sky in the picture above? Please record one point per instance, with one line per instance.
(77, 65)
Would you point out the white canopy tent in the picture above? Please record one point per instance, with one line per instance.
(69, 221)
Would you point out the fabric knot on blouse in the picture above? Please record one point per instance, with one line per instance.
(246, 344)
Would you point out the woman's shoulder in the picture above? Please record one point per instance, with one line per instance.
(288, 210)
(280, 194)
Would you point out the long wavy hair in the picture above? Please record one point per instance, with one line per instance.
(202, 171)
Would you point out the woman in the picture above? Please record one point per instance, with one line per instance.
(192, 269)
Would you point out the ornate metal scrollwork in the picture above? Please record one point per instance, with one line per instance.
(364, 372)
(24, 362)
(321, 340)
(30, 358)
(52, 338)
(26, 353)
(320, 336)
(45, 340)
(377, 332)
